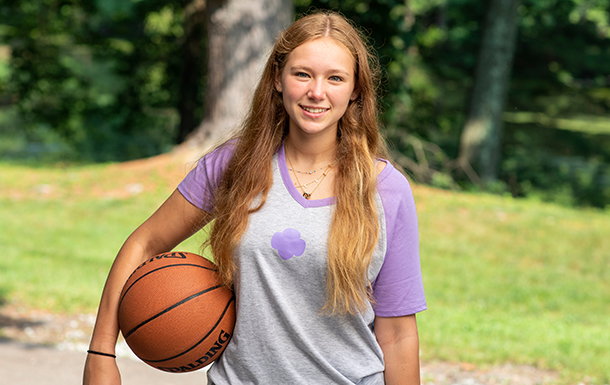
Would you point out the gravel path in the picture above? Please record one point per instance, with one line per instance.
(28, 364)
(35, 344)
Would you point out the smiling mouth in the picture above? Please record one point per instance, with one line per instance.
(315, 110)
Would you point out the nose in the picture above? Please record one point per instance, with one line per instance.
(317, 90)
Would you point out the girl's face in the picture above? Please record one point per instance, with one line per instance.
(317, 84)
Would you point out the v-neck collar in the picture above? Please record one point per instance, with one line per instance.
(296, 195)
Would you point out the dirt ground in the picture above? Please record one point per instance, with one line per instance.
(35, 344)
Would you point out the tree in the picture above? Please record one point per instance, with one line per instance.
(96, 81)
(239, 38)
(481, 137)
(192, 66)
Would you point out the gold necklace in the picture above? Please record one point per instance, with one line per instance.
(310, 183)
(311, 172)
(307, 195)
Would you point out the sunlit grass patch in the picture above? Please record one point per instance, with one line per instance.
(517, 281)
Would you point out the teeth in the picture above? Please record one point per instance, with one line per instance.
(314, 110)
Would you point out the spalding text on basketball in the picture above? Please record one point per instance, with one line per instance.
(222, 340)
(173, 255)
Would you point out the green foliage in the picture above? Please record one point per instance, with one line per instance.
(570, 167)
(560, 81)
(560, 74)
(102, 75)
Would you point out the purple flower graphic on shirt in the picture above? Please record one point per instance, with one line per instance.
(288, 243)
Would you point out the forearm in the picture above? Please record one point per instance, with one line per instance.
(402, 362)
(106, 330)
(399, 341)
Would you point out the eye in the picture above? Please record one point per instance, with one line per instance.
(301, 75)
(336, 78)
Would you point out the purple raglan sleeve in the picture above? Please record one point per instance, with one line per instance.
(398, 289)
(200, 183)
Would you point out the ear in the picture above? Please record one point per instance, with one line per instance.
(355, 95)
(278, 79)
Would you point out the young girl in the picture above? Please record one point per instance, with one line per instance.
(313, 229)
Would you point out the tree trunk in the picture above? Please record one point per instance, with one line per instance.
(240, 35)
(192, 63)
(481, 138)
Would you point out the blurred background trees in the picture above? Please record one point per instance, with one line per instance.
(98, 80)
(110, 80)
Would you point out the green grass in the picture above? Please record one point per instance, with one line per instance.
(62, 227)
(56, 254)
(507, 281)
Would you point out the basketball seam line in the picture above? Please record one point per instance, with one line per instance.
(157, 269)
(201, 340)
(171, 308)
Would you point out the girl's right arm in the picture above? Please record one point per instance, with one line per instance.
(176, 220)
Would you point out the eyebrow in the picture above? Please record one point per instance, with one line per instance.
(332, 70)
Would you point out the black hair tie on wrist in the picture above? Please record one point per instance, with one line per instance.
(101, 354)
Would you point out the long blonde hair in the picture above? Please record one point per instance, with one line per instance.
(355, 224)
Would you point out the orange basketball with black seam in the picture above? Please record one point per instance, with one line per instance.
(174, 313)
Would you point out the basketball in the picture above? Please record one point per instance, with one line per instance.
(174, 314)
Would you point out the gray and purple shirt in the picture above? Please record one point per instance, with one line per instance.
(280, 336)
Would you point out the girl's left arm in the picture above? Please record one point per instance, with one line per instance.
(399, 342)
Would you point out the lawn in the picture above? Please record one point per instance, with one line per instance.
(515, 281)
(507, 280)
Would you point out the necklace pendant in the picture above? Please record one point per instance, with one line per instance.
(306, 195)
